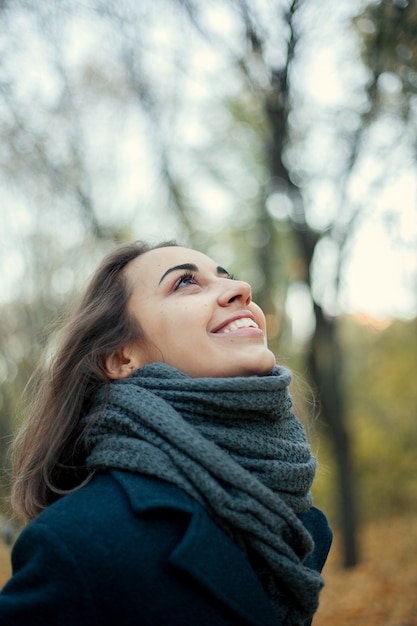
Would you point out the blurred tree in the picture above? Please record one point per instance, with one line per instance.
(387, 30)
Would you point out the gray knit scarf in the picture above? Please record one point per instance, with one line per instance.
(235, 446)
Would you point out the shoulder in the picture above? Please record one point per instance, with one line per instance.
(118, 517)
(116, 491)
(113, 505)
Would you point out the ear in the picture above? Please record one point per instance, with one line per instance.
(122, 363)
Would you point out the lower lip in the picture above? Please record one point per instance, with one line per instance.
(242, 332)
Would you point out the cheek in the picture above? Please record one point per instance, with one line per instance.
(259, 315)
(154, 326)
(177, 327)
(169, 328)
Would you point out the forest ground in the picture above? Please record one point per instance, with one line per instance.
(380, 591)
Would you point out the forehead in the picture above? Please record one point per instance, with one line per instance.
(151, 265)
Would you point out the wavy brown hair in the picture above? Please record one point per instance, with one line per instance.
(48, 453)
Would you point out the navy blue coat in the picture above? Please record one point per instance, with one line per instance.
(136, 551)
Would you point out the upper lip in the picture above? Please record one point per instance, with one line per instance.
(237, 316)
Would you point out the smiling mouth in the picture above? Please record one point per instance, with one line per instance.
(243, 322)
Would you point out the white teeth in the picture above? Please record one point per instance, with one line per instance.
(243, 322)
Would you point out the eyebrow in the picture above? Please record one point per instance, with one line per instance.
(191, 268)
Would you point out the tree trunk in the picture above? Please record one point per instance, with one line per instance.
(324, 354)
(325, 367)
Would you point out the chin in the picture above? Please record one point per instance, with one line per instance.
(262, 368)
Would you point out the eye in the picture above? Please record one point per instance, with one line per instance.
(221, 271)
(185, 279)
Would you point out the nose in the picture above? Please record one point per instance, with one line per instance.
(234, 291)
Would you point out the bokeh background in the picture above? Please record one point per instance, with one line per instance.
(278, 137)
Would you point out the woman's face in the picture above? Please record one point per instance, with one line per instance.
(196, 318)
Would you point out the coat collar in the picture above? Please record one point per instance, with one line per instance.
(224, 570)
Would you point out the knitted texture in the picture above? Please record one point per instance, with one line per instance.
(235, 446)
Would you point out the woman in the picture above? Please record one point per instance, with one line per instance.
(164, 475)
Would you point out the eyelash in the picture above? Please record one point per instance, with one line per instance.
(191, 276)
(185, 276)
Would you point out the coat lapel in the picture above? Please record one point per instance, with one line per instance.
(209, 555)
(205, 551)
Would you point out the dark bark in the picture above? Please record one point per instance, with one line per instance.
(326, 370)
